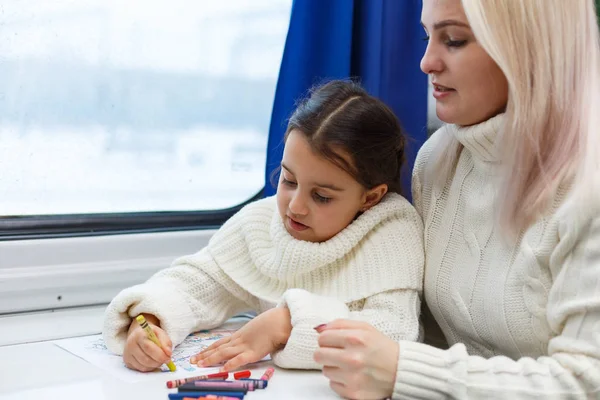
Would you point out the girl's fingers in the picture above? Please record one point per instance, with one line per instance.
(140, 355)
(134, 365)
(153, 352)
(139, 362)
(223, 353)
(200, 357)
(165, 341)
(204, 354)
(239, 361)
(216, 344)
(210, 350)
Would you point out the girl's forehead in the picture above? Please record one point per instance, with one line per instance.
(303, 161)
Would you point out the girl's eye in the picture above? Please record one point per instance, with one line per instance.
(426, 38)
(321, 199)
(288, 183)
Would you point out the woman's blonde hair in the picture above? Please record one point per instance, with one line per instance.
(549, 51)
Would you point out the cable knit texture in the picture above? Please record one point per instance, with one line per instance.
(522, 317)
(372, 271)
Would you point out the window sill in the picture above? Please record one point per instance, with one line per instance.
(50, 325)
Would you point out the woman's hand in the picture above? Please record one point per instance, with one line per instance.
(359, 361)
(259, 337)
(141, 353)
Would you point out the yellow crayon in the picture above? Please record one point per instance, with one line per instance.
(150, 333)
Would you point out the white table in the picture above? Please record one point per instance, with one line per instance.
(44, 371)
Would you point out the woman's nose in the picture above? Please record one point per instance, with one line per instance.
(431, 62)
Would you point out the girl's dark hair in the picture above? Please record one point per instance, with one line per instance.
(341, 115)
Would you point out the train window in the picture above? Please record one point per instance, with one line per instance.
(137, 106)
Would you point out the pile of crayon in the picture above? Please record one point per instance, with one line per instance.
(217, 387)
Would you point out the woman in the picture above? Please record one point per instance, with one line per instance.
(508, 193)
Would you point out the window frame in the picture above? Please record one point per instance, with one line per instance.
(97, 224)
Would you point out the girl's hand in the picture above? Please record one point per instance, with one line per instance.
(141, 353)
(259, 337)
(359, 361)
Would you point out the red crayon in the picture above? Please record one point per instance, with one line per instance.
(178, 382)
(268, 374)
(242, 374)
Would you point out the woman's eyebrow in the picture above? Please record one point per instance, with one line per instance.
(447, 22)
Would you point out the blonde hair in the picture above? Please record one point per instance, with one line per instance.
(549, 51)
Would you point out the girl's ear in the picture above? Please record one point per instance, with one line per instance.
(374, 196)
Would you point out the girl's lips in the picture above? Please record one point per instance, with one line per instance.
(297, 226)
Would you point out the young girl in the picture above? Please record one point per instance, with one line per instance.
(337, 241)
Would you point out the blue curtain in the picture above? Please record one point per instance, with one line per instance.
(377, 41)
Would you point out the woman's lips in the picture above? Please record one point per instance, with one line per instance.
(440, 91)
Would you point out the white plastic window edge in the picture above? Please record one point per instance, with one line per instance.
(54, 288)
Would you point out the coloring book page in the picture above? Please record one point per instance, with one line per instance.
(93, 350)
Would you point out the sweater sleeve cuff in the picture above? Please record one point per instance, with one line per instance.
(307, 310)
(426, 372)
(311, 309)
(162, 301)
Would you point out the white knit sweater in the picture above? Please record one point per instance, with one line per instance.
(523, 318)
(371, 271)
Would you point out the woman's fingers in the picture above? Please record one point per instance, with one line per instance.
(339, 388)
(343, 338)
(344, 324)
(331, 357)
(334, 374)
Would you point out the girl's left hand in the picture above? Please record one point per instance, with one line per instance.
(261, 336)
(359, 361)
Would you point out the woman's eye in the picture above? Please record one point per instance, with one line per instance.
(455, 43)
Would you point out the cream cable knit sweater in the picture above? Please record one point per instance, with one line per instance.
(523, 318)
(370, 271)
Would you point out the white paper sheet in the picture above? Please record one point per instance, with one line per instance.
(93, 350)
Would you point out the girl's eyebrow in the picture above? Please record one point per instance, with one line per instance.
(321, 185)
(329, 186)
(287, 168)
